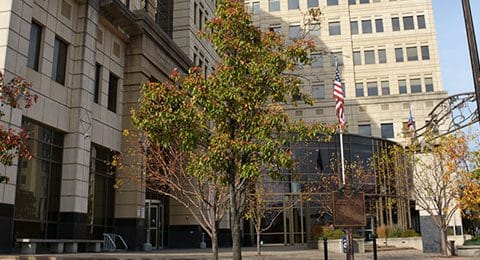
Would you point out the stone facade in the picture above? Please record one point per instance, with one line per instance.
(91, 59)
(363, 30)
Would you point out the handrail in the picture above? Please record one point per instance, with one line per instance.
(109, 242)
(123, 242)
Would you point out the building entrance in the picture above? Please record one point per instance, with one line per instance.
(154, 223)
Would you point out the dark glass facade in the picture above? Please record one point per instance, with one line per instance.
(37, 198)
(101, 195)
(302, 194)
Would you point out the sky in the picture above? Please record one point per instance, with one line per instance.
(452, 41)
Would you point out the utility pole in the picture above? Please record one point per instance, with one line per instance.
(472, 44)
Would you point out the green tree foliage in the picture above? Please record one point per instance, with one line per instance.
(13, 94)
(231, 123)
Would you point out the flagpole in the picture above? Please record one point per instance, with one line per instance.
(342, 156)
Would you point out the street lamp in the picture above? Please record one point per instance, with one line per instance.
(472, 44)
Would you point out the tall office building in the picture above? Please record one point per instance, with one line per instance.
(387, 55)
(86, 61)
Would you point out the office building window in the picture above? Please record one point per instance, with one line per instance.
(195, 12)
(354, 27)
(395, 24)
(365, 130)
(34, 47)
(425, 53)
(372, 89)
(317, 60)
(359, 90)
(293, 4)
(408, 23)
(402, 86)
(415, 86)
(97, 83)
(366, 26)
(357, 58)
(318, 91)
(112, 92)
(273, 5)
(339, 56)
(256, 7)
(352, 2)
(332, 2)
(382, 56)
(37, 193)
(312, 3)
(334, 28)
(276, 28)
(364, 1)
(398, 54)
(428, 84)
(101, 197)
(164, 16)
(385, 88)
(59, 61)
(421, 22)
(379, 25)
(387, 130)
(294, 31)
(370, 57)
(412, 54)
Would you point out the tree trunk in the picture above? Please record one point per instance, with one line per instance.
(259, 252)
(235, 224)
(443, 241)
(215, 242)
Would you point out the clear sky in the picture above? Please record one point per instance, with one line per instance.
(452, 41)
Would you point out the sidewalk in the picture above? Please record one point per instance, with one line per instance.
(268, 253)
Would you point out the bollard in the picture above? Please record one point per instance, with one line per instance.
(375, 257)
(325, 249)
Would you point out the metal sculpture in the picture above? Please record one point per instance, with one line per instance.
(451, 114)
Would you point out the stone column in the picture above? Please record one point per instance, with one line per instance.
(76, 154)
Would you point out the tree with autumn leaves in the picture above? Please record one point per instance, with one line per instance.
(231, 125)
(444, 182)
(13, 94)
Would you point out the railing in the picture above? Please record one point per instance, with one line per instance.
(110, 242)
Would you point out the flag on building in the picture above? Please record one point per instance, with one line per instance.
(339, 98)
(410, 122)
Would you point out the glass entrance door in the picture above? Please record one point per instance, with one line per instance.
(154, 217)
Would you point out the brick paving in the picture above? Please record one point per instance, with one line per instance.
(268, 253)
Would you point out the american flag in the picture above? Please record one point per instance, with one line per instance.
(410, 122)
(339, 98)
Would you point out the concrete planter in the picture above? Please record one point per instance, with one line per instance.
(468, 251)
(413, 242)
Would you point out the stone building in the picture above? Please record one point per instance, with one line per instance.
(86, 60)
(388, 59)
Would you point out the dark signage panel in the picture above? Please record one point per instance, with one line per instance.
(349, 209)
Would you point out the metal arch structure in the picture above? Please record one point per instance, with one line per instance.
(451, 114)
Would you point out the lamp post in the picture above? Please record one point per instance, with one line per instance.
(472, 44)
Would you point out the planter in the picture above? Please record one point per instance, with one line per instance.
(412, 242)
(468, 250)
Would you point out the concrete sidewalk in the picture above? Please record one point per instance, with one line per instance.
(268, 253)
